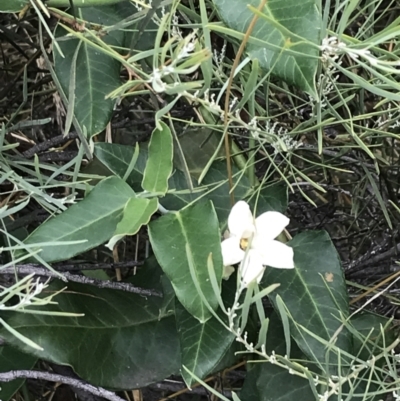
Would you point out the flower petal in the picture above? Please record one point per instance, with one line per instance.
(252, 267)
(276, 254)
(270, 224)
(231, 251)
(240, 220)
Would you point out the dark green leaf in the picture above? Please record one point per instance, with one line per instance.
(274, 383)
(249, 390)
(215, 184)
(146, 38)
(13, 359)
(97, 74)
(179, 195)
(203, 345)
(123, 341)
(12, 6)
(292, 25)
(197, 227)
(314, 293)
(368, 324)
(369, 342)
(216, 179)
(92, 220)
(272, 198)
(215, 187)
(198, 145)
(117, 159)
(266, 382)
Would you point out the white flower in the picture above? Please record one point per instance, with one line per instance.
(252, 242)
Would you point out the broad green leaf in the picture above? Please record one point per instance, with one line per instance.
(197, 227)
(215, 187)
(285, 25)
(13, 359)
(215, 184)
(369, 324)
(274, 382)
(218, 189)
(198, 145)
(137, 212)
(146, 38)
(203, 345)
(123, 341)
(272, 198)
(315, 294)
(265, 381)
(97, 74)
(249, 391)
(12, 6)
(117, 159)
(179, 195)
(368, 342)
(93, 219)
(159, 163)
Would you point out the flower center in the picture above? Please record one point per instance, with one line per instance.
(244, 243)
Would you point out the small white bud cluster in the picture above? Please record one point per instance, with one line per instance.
(285, 144)
(394, 116)
(233, 103)
(219, 58)
(332, 48)
(175, 26)
(391, 116)
(27, 298)
(328, 79)
(324, 397)
(142, 4)
(185, 51)
(209, 101)
(272, 358)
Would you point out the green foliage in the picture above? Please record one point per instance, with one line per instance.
(86, 75)
(137, 212)
(195, 227)
(285, 38)
(203, 345)
(266, 382)
(159, 164)
(92, 221)
(117, 158)
(123, 340)
(314, 296)
(13, 359)
(159, 191)
(12, 6)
